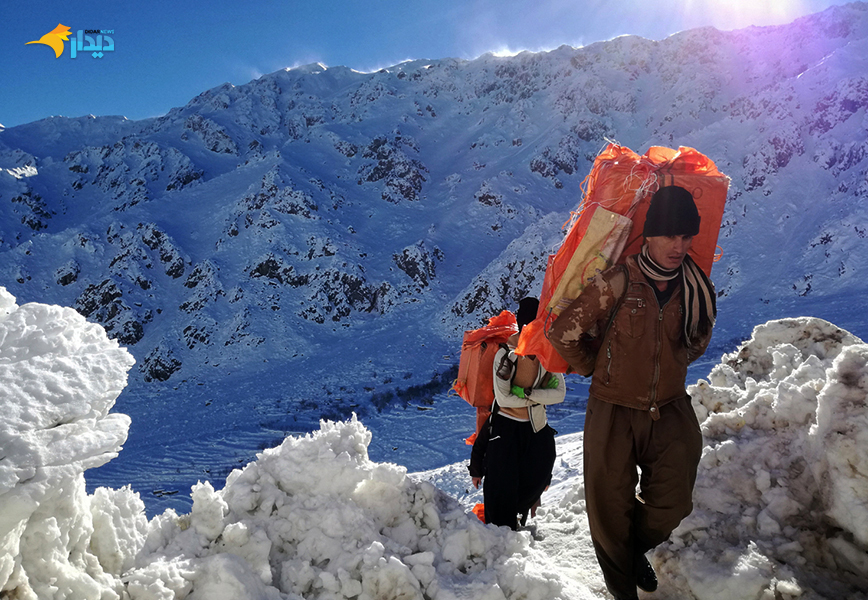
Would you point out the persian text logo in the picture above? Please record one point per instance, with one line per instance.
(96, 41)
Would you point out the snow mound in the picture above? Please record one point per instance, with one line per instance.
(315, 518)
(781, 500)
(59, 376)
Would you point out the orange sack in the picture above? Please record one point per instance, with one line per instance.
(475, 382)
(607, 227)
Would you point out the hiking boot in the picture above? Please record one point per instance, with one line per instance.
(646, 578)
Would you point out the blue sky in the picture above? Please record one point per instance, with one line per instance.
(167, 52)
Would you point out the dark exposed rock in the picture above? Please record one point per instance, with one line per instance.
(159, 365)
(418, 263)
(104, 304)
(403, 176)
(212, 135)
(68, 273)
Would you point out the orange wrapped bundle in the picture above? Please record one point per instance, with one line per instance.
(607, 227)
(475, 382)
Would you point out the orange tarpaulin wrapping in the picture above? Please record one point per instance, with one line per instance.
(475, 382)
(622, 182)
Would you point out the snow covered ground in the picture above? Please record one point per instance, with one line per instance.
(781, 500)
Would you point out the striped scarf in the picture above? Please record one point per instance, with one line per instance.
(697, 292)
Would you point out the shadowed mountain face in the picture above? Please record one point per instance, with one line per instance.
(319, 238)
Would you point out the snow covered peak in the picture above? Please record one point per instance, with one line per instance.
(310, 69)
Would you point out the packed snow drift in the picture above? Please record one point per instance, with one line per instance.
(781, 500)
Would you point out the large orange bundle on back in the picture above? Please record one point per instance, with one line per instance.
(607, 227)
(475, 382)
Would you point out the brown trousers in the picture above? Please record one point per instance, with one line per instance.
(617, 440)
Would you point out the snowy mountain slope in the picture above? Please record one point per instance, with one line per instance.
(313, 241)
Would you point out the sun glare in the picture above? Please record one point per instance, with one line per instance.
(734, 14)
(505, 52)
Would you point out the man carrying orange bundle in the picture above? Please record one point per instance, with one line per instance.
(651, 317)
(515, 450)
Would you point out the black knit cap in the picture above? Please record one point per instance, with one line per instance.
(672, 212)
(526, 313)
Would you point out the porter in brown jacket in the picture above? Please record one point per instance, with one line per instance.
(636, 329)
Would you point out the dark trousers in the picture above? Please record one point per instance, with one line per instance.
(617, 440)
(518, 468)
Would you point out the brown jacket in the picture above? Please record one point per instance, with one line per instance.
(642, 360)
